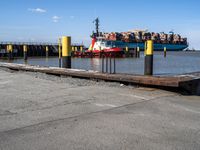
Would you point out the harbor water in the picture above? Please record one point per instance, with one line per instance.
(174, 63)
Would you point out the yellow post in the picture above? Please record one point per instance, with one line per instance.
(47, 48)
(165, 51)
(149, 48)
(10, 48)
(138, 51)
(127, 54)
(25, 49)
(76, 48)
(47, 51)
(81, 48)
(66, 52)
(72, 48)
(149, 58)
(10, 51)
(126, 48)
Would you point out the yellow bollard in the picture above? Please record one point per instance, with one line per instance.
(138, 52)
(81, 48)
(25, 49)
(126, 48)
(66, 52)
(149, 58)
(10, 48)
(10, 51)
(127, 51)
(149, 48)
(47, 51)
(165, 51)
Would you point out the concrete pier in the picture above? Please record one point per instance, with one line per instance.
(40, 111)
(34, 49)
(189, 83)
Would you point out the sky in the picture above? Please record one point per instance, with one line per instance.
(47, 20)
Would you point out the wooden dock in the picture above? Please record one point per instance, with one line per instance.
(189, 83)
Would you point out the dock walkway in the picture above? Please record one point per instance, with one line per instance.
(187, 82)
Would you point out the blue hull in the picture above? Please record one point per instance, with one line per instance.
(157, 47)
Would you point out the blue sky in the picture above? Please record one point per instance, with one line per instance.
(46, 20)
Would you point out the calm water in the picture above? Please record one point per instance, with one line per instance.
(174, 63)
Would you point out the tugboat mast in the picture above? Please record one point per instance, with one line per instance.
(96, 21)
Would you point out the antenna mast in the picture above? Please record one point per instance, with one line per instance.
(96, 21)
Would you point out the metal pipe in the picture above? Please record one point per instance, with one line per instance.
(110, 63)
(103, 64)
(106, 64)
(114, 64)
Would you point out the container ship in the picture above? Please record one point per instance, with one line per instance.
(119, 41)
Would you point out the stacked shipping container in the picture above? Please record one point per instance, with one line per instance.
(141, 36)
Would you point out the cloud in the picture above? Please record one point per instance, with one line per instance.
(56, 18)
(37, 10)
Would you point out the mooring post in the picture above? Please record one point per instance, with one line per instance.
(103, 63)
(110, 63)
(66, 52)
(59, 52)
(76, 48)
(81, 49)
(106, 63)
(127, 51)
(47, 51)
(138, 52)
(114, 63)
(10, 51)
(149, 58)
(25, 49)
(165, 51)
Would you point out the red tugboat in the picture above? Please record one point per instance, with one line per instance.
(101, 46)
